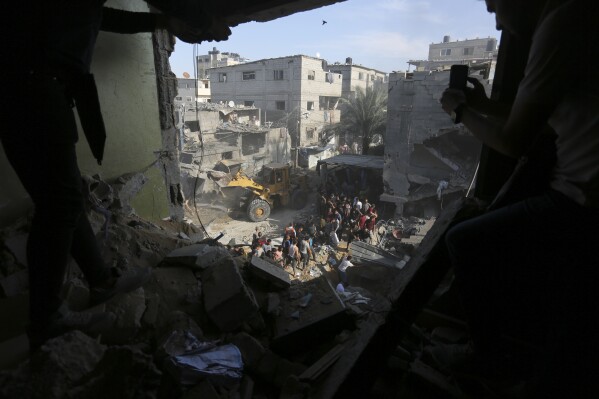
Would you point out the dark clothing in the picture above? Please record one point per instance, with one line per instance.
(531, 269)
(44, 158)
(51, 46)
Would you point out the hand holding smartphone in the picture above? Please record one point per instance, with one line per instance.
(458, 78)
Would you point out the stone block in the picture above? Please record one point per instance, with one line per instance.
(251, 349)
(199, 256)
(323, 316)
(129, 310)
(227, 300)
(269, 272)
(173, 287)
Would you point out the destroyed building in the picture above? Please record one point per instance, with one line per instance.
(297, 92)
(233, 136)
(480, 53)
(427, 157)
(202, 298)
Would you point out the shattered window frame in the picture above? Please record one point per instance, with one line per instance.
(280, 105)
(248, 103)
(445, 52)
(222, 77)
(311, 75)
(310, 105)
(360, 76)
(468, 51)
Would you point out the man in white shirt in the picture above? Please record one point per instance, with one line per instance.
(345, 263)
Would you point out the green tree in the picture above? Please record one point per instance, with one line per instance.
(365, 114)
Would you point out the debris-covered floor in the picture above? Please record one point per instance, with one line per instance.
(211, 323)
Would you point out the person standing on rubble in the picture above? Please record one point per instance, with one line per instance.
(533, 264)
(49, 53)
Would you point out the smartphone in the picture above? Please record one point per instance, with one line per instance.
(458, 77)
(457, 80)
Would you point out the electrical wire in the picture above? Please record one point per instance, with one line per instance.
(201, 137)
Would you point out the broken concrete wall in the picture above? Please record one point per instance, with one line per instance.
(209, 121)
(414, 116)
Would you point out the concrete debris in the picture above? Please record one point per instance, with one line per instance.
(199, 256)
(126, 189)
(269, 272)
(129, 310)
(54, 370)
(202, 300)
(227, 299)
(251, 349)
(172, 286)
(273, 302)
(124, 372)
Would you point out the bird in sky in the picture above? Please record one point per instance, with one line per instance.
(324, 22)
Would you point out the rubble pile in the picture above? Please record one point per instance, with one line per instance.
(211, 323)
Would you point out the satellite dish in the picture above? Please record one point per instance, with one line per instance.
(231, 104)
(185, 75)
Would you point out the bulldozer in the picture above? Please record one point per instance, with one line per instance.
(274, 188)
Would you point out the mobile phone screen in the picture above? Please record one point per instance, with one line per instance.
(457, 77)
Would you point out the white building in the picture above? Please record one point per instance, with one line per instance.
(215, 59)
(298, 92)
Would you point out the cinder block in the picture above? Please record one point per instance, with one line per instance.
(228, 301)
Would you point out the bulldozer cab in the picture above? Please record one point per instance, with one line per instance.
(276, 177)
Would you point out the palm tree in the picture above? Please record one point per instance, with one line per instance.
(365, 114)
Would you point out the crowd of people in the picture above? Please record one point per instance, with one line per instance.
(339, 218)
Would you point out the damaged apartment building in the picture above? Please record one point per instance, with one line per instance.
(229, 138)
(428, 159)
(298, 92)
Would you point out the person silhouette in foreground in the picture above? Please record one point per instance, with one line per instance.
(51, 49)
(530, 268)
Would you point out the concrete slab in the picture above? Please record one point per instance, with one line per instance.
(269, 272)
(227, 300)
(199, 256)
(323, 315)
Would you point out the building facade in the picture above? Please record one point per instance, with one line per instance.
(427, 156)
(215, 59)
(474, 52)
(297, 92)
(355, 76)
(192, 91)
